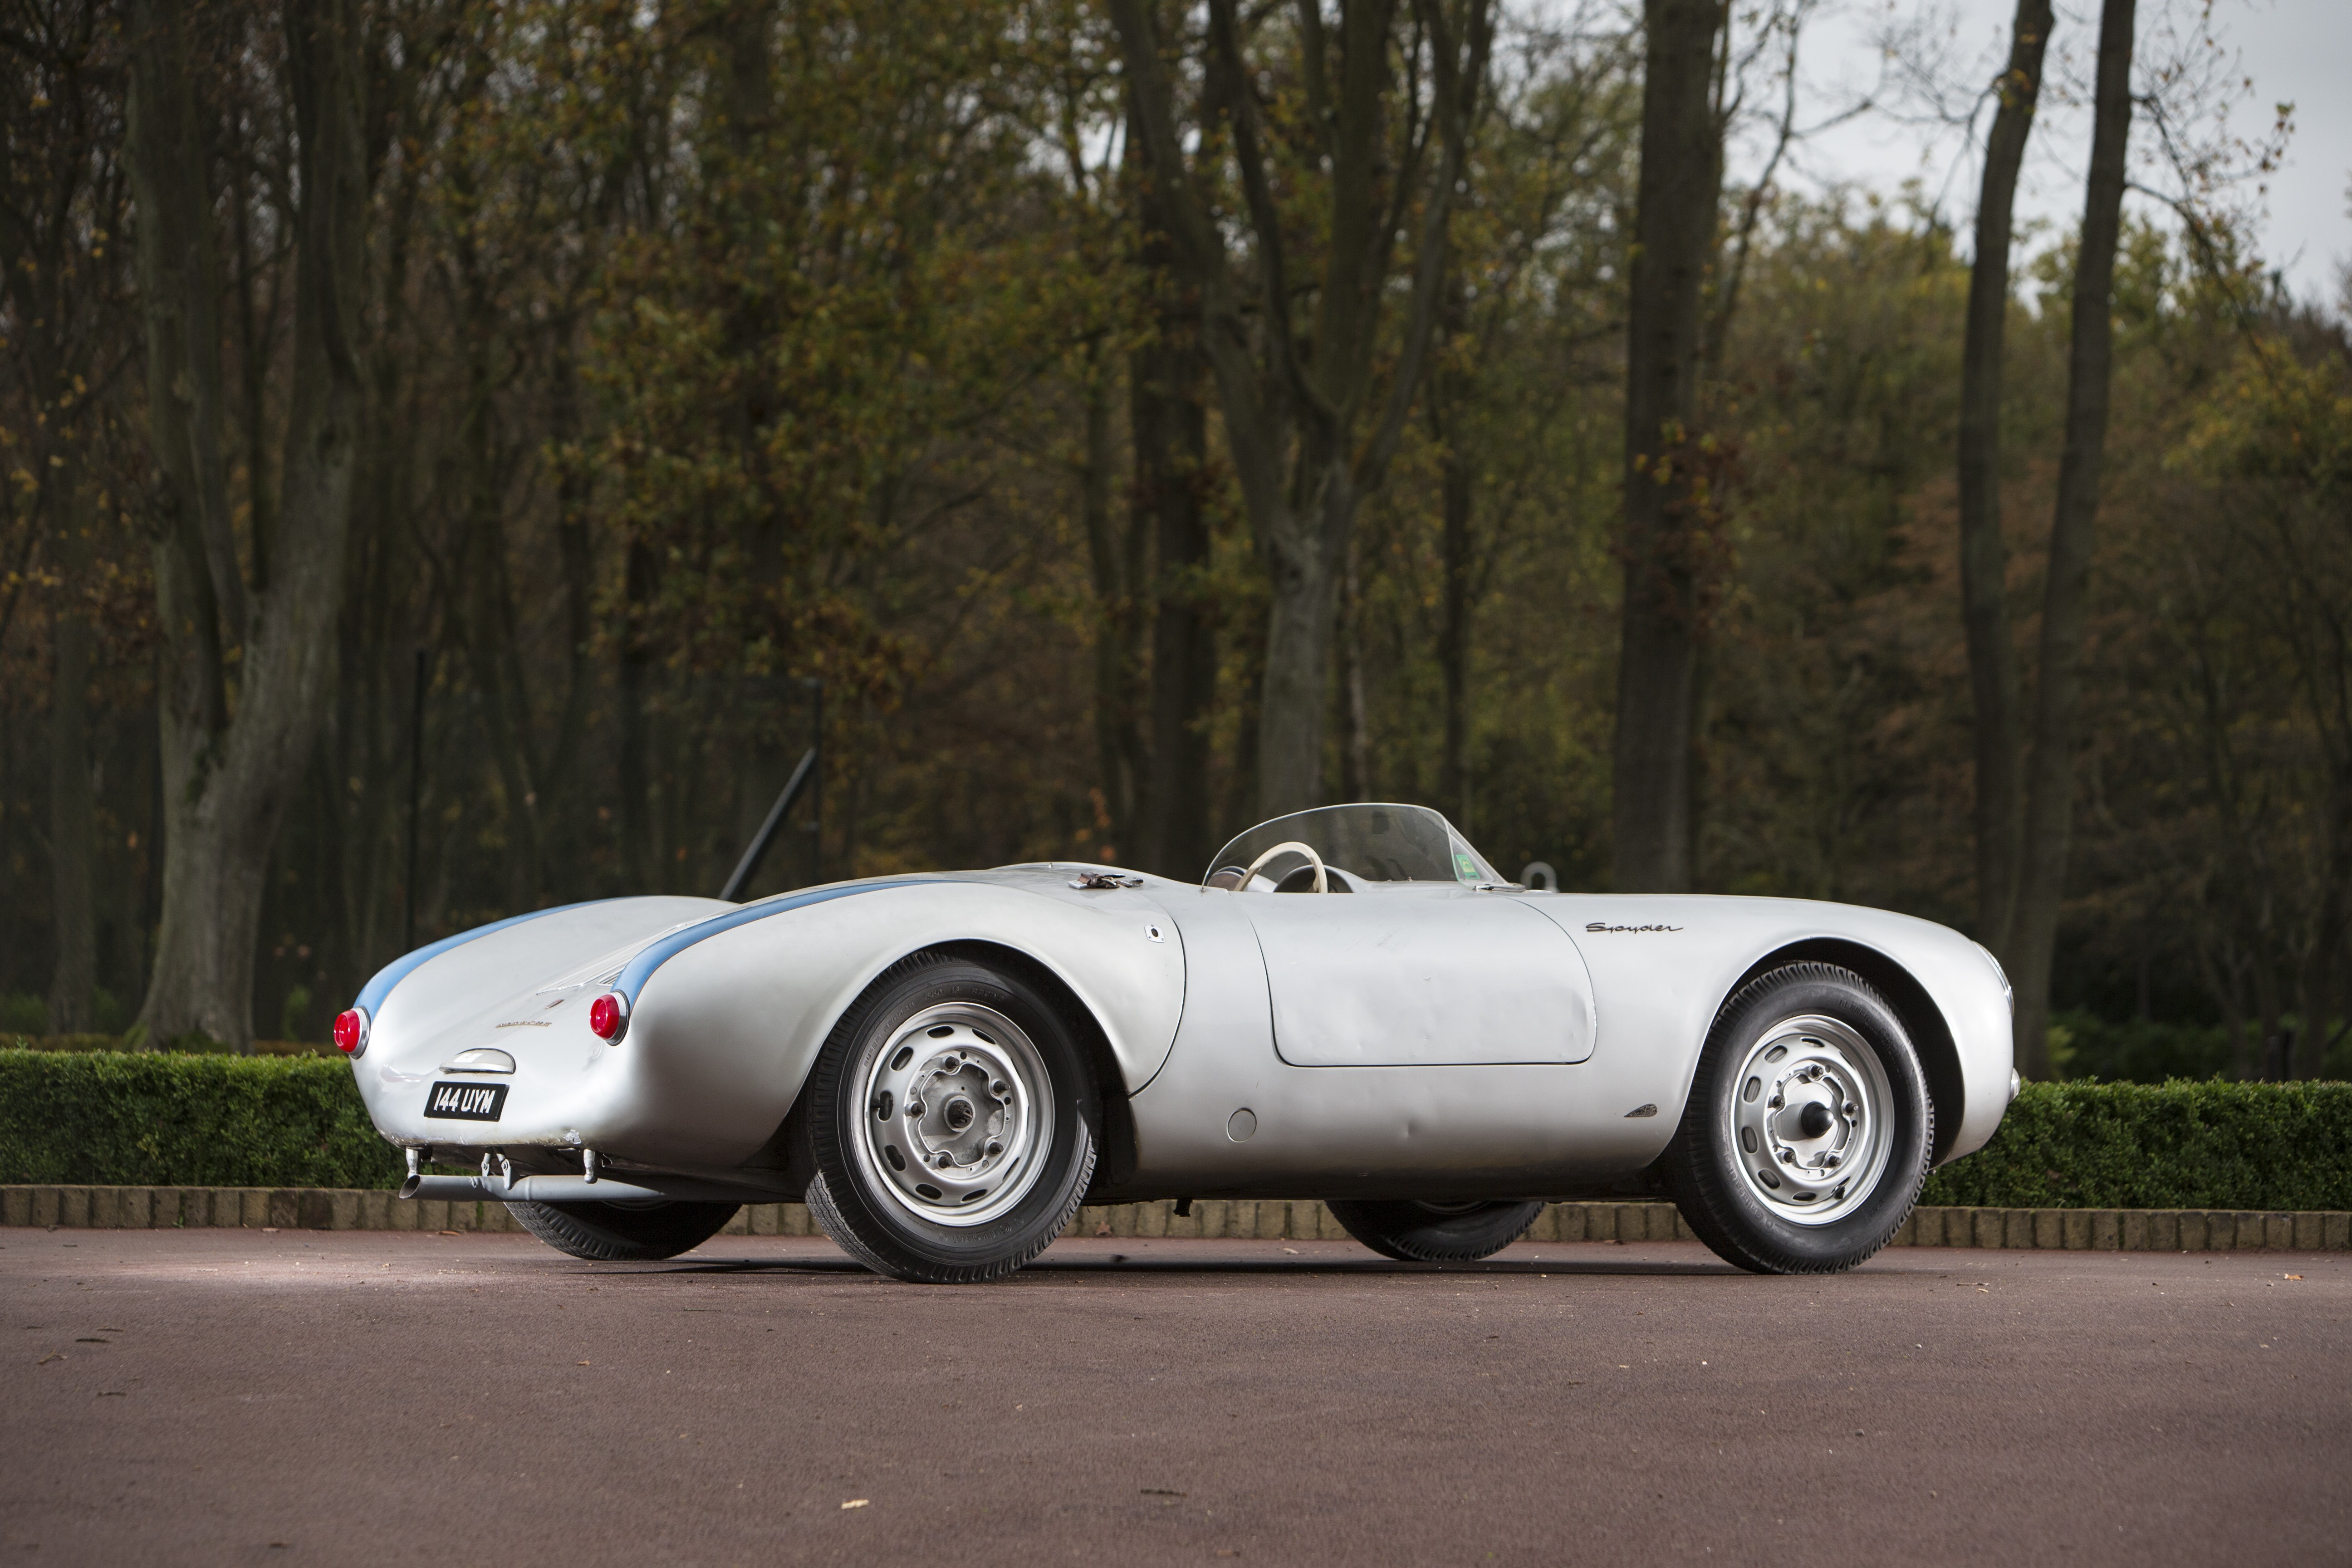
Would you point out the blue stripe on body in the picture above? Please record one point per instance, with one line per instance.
(655, 955)
(372, 995)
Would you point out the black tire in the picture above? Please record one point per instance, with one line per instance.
(878, 1216)
(1721, 1187)
(1435, 1233)
(613, 1233)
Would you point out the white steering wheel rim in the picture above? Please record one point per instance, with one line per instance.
(1321, 884)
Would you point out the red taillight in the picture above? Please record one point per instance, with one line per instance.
(606, 1014)
(351, 1030)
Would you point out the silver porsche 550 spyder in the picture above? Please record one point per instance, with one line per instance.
(1352, 1006)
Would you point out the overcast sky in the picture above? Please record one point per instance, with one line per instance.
(2293, 51)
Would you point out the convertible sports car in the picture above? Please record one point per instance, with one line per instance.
(947, 1065)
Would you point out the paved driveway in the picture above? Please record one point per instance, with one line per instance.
(233, 1397)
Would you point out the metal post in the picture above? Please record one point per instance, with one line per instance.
(416, 784)
(748, 865)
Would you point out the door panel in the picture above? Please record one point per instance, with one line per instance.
(1397, 977)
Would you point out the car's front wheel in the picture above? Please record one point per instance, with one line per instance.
(952, 1121)
(1809, 1128)
(1433, 1232)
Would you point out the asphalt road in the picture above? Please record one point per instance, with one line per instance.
(235, 1396)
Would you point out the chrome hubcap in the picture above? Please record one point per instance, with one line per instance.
(957, 1114)
(1810, 1120)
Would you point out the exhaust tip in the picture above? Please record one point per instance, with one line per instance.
(408, 1188)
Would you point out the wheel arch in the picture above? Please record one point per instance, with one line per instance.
(1116, 1151)
(1930, 1032)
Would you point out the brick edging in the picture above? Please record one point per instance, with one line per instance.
(321, 1209)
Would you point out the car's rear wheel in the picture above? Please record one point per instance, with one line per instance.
(1435, 1232)
(623, 1233)
(1809, 1128)
(952, 1119)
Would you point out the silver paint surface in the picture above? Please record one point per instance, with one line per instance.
(1410, 1041)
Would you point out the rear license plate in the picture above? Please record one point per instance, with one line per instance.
(466, 1101)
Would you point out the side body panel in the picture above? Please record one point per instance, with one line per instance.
(724, 1030)
(1418, 976)
(734, 1024)
(1660, 966)
(1436, 1131)
(1659, 989)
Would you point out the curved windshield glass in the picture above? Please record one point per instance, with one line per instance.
(1367, 843)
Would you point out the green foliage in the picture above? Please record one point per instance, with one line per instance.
(2162, 1146)
(170, 1120)
(10, 1040)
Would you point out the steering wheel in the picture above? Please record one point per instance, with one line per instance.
(1322, 884)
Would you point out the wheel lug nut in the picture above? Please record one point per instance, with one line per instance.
(994, 1148)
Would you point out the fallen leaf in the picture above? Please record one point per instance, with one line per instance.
(1292, 1250)
(579, 1363)
(2290, 1276)
(53, 1355)
(857, 1502)
(445, 1233)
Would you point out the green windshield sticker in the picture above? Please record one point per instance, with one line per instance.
(1465, 869)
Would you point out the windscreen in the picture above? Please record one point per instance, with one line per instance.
(1370, 843)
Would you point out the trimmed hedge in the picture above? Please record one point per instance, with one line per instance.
(163, 1118)
(169, 1120)
(2162, 1146)
(194, 1045)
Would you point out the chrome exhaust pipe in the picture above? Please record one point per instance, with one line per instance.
(580, 1190)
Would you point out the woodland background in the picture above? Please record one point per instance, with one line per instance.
(490, 416)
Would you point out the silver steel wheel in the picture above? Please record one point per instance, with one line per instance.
(1811, 1120)
(957, 1115)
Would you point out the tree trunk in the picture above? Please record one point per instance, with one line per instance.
(489, 609)
(1304, 575)
(1355, 715)
(1456, 556)
(2320, 1001)
(1170, 429)
(1674, 237)
(73, 837)
(229, 780)
(1114, 547)
(1984, 600)
(1309, 425)
(2049, 810)
(633, 779)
